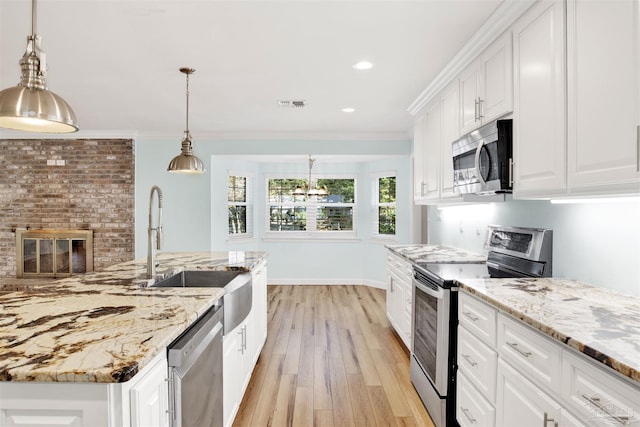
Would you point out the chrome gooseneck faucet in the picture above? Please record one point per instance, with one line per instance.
(154, 233)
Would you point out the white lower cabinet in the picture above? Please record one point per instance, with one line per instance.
(473, 409)
(525, 378)
(520, 403)
(140, 402)
(399, 296)
(242, 347)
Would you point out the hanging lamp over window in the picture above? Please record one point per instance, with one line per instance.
(186, 161)
(311, 190)
(31, 106)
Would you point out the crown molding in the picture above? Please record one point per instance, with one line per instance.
(499, 22)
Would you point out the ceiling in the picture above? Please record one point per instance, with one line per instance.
(116, 62)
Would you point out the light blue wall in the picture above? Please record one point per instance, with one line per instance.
(598, 243)
(195, 209)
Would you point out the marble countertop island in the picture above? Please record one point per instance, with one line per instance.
(105, 326)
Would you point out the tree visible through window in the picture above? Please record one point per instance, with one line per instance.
(386, 205)
(332, 211)
(239, 208)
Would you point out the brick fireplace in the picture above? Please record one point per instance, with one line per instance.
(68, 184)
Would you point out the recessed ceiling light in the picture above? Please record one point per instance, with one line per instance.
(363, 65)
(348, 110)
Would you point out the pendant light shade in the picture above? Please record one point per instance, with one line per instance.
(30, 106)
(186, 161)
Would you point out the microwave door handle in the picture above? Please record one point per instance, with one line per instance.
(478, 174)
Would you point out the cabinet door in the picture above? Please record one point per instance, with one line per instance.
(149, 398)
(603, 112)
(432, 154)
(539, 101)
(520, 403)
(497, 84)
(419, 154)
(469, 92)
(259, 311)
(450, 131)
(231, 363)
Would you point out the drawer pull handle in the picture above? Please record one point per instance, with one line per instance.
(604, 409)
(514, 346)
(465, 411)
(471, 316)
(469, 359)
(547, 420)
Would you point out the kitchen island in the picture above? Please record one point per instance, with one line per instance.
(94, 331)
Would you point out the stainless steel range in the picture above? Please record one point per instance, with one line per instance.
(513, 252)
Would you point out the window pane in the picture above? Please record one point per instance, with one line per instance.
(340, 190)
(237, 219)
(387, 189)
(335, 218)
(237, 189)
(281, 190)
(287, 218)
(386, 220)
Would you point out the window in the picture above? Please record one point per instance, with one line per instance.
(330, 213)
(385, 203)
(240, 208)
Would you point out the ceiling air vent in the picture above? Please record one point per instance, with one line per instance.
(292, 104)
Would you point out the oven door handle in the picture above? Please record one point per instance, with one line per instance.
(427, 290)
(481, 144)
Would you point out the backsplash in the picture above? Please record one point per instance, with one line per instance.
(597, 243)
(68, 184)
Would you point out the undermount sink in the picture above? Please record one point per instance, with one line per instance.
(238, 291)
(197, 279)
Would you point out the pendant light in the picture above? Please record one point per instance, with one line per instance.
(186, 162)
(311, 190)
(30, 106)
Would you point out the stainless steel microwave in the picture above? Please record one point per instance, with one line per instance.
(483, 160)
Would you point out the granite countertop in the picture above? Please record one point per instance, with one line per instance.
(436, 254)
(602, 324)
(105, 326)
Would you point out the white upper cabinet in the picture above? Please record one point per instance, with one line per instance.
(426, 154)
(539, 101)
(603, 43)
(486, 86)
(449, 132)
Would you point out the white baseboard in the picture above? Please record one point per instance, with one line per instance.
(371, 283)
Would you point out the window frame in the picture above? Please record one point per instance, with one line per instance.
(376, 205)
(248, 203)
(311, 206)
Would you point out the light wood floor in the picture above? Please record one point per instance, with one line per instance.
(331, 359)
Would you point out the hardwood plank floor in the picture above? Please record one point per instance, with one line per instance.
(331, 359)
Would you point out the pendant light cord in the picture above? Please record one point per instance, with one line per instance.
(33, 19)
(187, 102)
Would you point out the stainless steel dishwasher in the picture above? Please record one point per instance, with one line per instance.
(195, 373)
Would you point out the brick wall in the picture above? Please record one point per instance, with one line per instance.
(94, 189)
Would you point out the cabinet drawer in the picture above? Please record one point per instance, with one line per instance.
(478, 317)
(478, 362)
(472, 409)
(536, 356)
(597, 396)
(400, 265)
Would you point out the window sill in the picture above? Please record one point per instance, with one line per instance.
(241, 239)
(301, 237)
(384, 240)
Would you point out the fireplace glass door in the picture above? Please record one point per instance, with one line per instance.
(50, 253)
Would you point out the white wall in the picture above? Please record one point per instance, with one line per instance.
(597, 243)
(195, 207)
